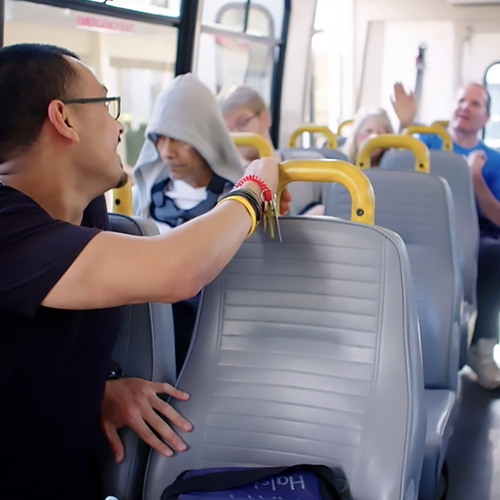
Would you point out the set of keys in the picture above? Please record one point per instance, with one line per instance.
(270, 218)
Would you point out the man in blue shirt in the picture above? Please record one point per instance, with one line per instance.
(470, 116)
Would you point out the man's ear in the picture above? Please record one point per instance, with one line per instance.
(62, 121)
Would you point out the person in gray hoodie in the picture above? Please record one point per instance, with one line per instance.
(187, 162)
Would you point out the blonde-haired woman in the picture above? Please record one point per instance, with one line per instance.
(367, 123)
(244, 110)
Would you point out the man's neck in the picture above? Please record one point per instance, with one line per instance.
(60, 200)
(466, 140)
(202, 180)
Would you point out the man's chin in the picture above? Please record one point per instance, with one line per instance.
(176, 176)
(123, 180)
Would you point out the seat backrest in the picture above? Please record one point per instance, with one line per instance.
(419, 208)
(305, 194)
(307, 351)
(145, 348)
(309, 153)
(454, 169)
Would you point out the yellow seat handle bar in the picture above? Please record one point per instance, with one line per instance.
(386, 141)
(441, 123)
(122, 199)
(351, 177)
(243, 139)
(314, 129)
(343, 125)
(433, 130)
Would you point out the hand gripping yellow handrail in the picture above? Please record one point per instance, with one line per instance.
(122, 199)
(314, 129)
(441, 123)
(433, 130)
(353, 179)
(386, 141)
(243, 139)
(343, 125)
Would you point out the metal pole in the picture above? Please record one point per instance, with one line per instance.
(278, 76)
(245, 17)
(186, 37)
(2, 21)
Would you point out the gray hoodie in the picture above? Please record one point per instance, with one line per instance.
(188, 112)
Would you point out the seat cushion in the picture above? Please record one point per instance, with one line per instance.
(440, 405)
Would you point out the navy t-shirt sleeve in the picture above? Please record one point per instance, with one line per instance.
(35, 251)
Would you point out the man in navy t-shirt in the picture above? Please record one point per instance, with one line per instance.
(470, 116)
(62, 277)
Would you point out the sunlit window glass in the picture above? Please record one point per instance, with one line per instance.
(135, 60)
(169, 8)
(492, 130)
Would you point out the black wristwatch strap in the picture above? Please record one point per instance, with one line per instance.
(115, 372)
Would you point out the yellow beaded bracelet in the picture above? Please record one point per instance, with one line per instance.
(248, 206)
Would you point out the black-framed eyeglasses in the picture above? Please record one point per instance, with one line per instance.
(114, 104)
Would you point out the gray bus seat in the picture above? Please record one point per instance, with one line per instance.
(305, 194)
(310, 153)
(145, 348)
(441, 409)
(307, 351)
(419, 208)
(454, 169)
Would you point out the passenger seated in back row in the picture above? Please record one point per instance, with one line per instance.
(471, 114)
(367, 123)
(244, 110)
(187, 162)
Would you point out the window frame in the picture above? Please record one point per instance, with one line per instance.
(485, 83)
(185, 23)
(279, 42)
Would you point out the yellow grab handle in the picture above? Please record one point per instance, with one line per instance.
(353, 179)
(243, 139)
(343, 125)
(315, 129)
(434, 130)
(441, 123)
(386, 141)
(122, 199)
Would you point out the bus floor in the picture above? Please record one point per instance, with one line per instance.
(474, 449)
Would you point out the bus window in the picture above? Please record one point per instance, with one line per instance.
(329, 91)
(134, 59)
(239, 44)
(492, 129)
(158, 7)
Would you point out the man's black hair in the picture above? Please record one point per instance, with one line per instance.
(31, 76)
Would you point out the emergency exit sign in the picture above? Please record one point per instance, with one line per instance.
(103, 24)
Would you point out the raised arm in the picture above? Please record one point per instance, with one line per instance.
(405, 106)
(116, 269)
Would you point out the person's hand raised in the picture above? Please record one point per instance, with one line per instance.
(405, 105)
